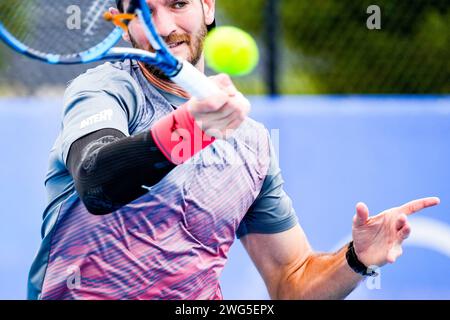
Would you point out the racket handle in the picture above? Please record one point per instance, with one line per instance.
(195, 82)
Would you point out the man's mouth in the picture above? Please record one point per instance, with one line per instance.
(175, 44)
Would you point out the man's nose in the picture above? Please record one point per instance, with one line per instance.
(164, 22)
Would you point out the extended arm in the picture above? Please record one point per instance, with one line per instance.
(291, 270)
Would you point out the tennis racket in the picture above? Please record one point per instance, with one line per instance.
(78, 31)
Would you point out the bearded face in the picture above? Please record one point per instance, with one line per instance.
(183, 45)
(181, 24)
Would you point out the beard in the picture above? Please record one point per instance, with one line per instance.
(194, 42)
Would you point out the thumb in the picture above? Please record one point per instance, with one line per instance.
(361, 216)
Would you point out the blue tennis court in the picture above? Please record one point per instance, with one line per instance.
(334, 151)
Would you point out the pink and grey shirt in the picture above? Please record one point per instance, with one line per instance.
(172, 242)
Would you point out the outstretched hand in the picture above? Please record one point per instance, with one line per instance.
(378, 240)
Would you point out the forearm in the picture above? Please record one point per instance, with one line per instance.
(321, 276)
(109, 170)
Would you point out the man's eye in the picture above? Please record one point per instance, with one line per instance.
(179, 4)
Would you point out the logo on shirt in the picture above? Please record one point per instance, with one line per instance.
(105, 115)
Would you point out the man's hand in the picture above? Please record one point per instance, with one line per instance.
(220, 112)
(378, 240)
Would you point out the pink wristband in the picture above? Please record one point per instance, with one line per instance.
(179, 137)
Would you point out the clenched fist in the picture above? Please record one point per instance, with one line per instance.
(222, 111)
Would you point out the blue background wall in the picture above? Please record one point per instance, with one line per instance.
(334, 152)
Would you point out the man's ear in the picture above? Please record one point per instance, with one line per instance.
(209, 7)
(125, 35)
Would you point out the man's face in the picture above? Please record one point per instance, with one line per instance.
(180, 23)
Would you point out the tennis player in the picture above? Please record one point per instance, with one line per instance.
(129, 217)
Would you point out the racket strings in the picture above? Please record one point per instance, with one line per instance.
(62, 27)
(95, 12)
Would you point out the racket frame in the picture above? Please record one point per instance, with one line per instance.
(180, 71)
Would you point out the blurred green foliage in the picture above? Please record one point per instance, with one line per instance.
(327, 48)
(4, 8)
(13, 18)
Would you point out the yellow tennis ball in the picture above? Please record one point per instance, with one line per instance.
(231, 50)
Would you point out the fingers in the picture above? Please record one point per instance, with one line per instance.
(226, 111)
(221, 112)
(401, 222)
(222, 80)
(404, 232)
(236, 107)
(362, 214)
(211, 104)
(417, 205)
(216, 102)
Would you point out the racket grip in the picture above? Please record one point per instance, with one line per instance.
(195, 82)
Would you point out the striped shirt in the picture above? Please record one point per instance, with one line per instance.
(172, 242)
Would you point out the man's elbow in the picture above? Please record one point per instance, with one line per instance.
(98, 206)
(290, 291)
(93, 196)
(294, 285)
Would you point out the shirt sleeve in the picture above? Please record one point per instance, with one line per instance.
(272, 212)
(104, 97)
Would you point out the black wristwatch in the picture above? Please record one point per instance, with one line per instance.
(356, 265)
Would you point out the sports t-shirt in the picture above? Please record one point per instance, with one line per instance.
(172, 242)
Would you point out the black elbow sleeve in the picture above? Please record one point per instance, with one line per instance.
(109, 170)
